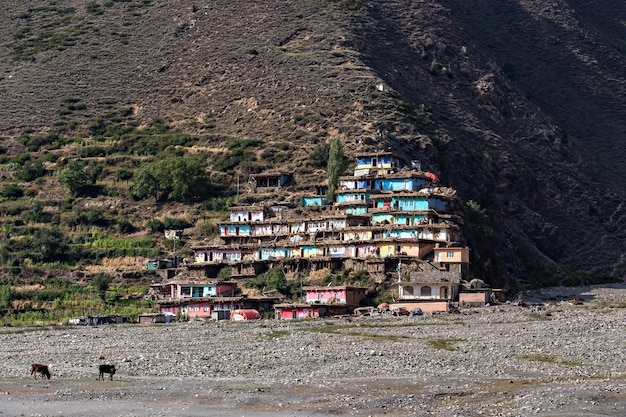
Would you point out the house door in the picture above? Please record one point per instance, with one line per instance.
(294, 314)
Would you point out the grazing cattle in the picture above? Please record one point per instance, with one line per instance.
(106, 369)
(37, 368)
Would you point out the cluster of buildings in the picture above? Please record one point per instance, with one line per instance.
(393, 221)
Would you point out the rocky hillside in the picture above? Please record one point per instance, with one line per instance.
(520, 106)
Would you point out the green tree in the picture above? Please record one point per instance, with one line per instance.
(7, 295)
(50, 245)
(335, 167)
(75, 178)
(101, 282)
(31, 170)
(274, 279)
(319, 156)
(145, 183)
(178, 178)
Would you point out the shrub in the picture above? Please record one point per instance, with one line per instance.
(75, 178)
(155, 226)
(31, 170)
(12, 192)
(175, 224)
(101, 282)
(319, 156)
(125, 227)
(274, 279)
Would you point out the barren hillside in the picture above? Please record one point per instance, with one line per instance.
(519, 105)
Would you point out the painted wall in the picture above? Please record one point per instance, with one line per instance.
(409, 219)
(452, 255)
(235, 230)
(427, 307)
(398, 184)
(313, 201)
(402, 234)
(323, 296)
(309, 251)
(474, 297)
(387, 249)
(382, 217)
(287, 313)
(418, 291)
(247, 216)
(273, 253)
(363, 251)
(337, 251)
(217, 255)
(377, 161)
(357, 210)
(356, 196)
(200, 309)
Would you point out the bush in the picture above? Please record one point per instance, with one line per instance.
(175, 224)
(12, 192)
(101, 282)
(31, 170)
(274, 279)
(319, 157)
(125, 227)
(75, 178)
(155, 226)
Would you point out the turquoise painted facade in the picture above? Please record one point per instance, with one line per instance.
(403, 203)
(409, 219)
(382, 218)
(399, 184)
(274, 253)
(360, 210)
(311, 251)
(313, 201)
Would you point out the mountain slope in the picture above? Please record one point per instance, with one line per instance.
(520, 106)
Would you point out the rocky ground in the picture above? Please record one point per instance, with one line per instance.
(549, 357)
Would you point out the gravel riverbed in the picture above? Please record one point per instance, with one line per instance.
(548, 358)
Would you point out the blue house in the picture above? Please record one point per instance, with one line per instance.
(380, 160)
(400, 183)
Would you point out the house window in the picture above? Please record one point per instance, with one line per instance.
(407, 290)
(206, 308)
(185, 291)
(425, 291)
(450, 254)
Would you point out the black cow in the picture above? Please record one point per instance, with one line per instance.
(106, 369)
(37, 368)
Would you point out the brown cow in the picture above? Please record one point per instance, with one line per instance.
(37, 368)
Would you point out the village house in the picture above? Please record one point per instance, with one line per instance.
(322, 301)
(270, 181)
(340, 294)
(386, 218)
